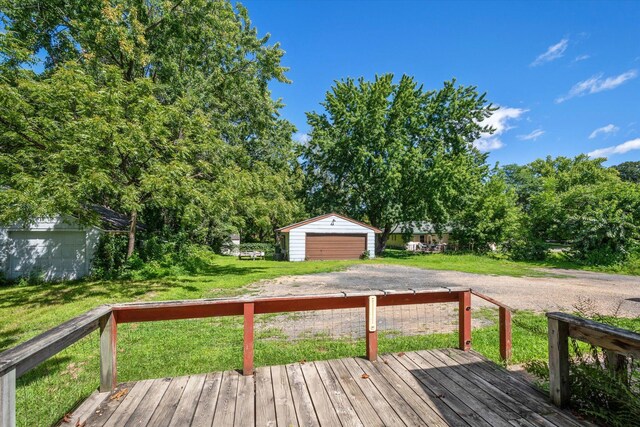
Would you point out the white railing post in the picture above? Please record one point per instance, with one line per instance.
(8, 399)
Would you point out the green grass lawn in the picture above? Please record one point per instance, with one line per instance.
(466, 263)
(152, 350)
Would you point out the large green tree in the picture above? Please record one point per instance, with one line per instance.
(580, 202)
(491, 216)
(388, 152)
(155, 107)
(629, 171)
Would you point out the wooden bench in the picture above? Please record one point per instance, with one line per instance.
(253, 255)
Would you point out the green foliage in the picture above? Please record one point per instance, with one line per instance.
(390, 152)
(365, 255)
(601, 389)
(109, 258)
(629, 171)
(522, 245)
(577, 201)
(490, 216)
(601, 393)
(160, 110)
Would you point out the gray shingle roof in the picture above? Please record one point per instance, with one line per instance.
(419, 227)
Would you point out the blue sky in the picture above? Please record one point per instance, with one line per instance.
(566, 74)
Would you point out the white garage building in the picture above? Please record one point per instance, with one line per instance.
(56, 248)
(328, 237)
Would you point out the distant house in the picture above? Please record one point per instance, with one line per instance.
(232, 245)
(327, 237)
(55, 248)
(418, 232)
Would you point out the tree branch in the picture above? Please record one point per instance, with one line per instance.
(158, 22)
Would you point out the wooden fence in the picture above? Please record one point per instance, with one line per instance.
(24, 357)
(562, 326)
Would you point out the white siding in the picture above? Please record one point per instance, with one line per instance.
(56, 248)
(4, 250)
(297, 236)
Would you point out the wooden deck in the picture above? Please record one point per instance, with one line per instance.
(425, 388)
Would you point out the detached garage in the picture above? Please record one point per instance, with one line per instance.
(328, 237)
(55, 248)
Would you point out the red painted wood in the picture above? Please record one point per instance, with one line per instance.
(505, 334)
(247, 365)
(371, 337)
(191, 310)
(464, 315)
(284, 305)
(175, 310)
(491, 300)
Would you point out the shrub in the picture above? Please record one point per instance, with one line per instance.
(110, 256)
(603, 387)
(525, 249)
(365, 255)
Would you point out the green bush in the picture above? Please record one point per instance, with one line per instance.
(525, 249)
(109, 259)
(604, 390)
(603, 238)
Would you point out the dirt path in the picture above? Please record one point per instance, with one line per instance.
(597, 292)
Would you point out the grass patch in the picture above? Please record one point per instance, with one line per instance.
(466, 263)
(631, 267)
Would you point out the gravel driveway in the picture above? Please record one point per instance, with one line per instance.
(597, 292)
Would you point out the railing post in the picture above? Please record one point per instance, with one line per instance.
(464, 320)
(505, 333)
(559, 362)
(108, 340)
(247, 364)
(372, 330)
(617, 364)
(8, 399)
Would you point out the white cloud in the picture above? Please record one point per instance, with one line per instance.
(553, 52)
(633, 144)
(488, 144)
(597, 84)
(581, 58)
(301, 138)
(532, 136)
(604, 130)
(499, 121)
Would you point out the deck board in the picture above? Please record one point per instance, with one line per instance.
(430, 388)
(206, 405)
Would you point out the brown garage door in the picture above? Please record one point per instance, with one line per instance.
(335, 246)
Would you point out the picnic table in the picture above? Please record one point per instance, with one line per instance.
(253, 255)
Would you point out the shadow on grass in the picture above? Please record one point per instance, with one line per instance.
(9, 337)
(65, 292)
(52, 367)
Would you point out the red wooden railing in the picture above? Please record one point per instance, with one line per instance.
(504, 320)
(26, 356)
(369, 301)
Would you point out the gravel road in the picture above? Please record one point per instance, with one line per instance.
(601, 293)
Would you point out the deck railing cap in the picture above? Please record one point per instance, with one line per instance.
(630, 338)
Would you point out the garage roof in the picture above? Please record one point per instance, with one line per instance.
(290, 227)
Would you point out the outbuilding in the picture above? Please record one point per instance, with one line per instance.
(328, 237)
(55, 248)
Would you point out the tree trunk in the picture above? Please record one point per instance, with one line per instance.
(132, 233)
(382, 239)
